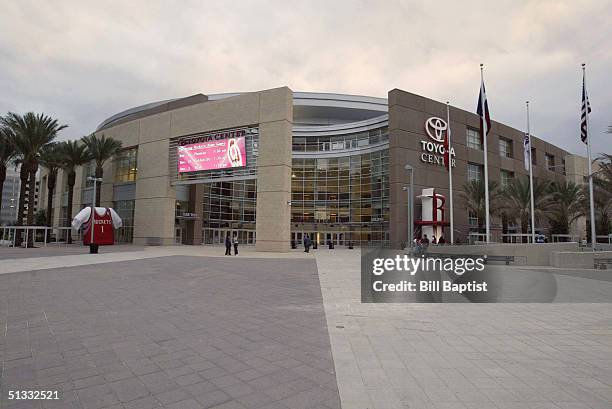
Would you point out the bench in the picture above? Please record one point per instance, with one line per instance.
(505, 259)
(602, 263)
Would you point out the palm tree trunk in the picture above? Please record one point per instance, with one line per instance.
(23, 177)
(504, 219)
(99, 175)
(31, 199)
(2, 179)
(71, 181)
(50, 192)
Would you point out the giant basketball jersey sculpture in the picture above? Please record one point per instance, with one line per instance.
(105, 220)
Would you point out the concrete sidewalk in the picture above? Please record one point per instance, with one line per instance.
(45, 258)
(463, 356)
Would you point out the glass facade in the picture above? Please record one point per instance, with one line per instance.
(125, 210)
(126, 165)
(340, 142)
(344, 199)
(230, 204)
(89, 169)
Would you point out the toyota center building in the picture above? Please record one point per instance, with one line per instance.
(274, 165)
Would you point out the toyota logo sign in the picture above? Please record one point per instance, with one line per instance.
(435, 128)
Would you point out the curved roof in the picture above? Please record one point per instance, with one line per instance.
(310, 109)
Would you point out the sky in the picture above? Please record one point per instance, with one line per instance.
(82, 62)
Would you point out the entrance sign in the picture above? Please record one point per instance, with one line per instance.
(432, 213)
(434, 150)
(210, 155)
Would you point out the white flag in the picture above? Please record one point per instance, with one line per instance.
(527, 147)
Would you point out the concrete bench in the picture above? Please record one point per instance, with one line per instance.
(505, 259)
(602, 263)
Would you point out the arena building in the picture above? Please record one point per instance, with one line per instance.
(274, 165)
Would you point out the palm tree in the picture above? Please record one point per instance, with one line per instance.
(52, 160)
(7, 153)
(474, 197)
(603, 209)
(517, 200)
(603, 177)
(74, 154)
(101, 149)
(602, 193)
(32, 133)
(566, 205)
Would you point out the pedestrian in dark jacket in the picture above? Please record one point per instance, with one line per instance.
(307, 243)
(228, 245)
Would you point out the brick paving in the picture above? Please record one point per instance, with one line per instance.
(172, 332)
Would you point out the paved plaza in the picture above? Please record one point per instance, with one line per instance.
(182, 327)
(175, 332)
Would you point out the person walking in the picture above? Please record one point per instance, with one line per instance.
(425, 243)
(228, 245)
(235, 243)
(307, 243)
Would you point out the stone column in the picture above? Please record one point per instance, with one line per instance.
(155, 197)
(274, 170)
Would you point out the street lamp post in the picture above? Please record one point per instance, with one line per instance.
(93, 248)
(410, 190)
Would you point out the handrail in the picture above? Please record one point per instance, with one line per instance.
(12, 233)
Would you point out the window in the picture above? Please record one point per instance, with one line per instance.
(473, 139)
(125, 210)
(505, 148)
(506, 177)
(550, 161)
(89, 169)
(474, 172)
(126, 165)
(534, 161)
(472, 220)
(563, 166)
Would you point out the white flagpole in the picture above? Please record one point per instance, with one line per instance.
(531, 180)
(592, 206)
(450, 174)
(486, 168)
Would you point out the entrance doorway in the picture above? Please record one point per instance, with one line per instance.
(339, 238)
(217, 235)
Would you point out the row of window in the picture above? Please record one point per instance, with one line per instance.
(506, 149)
(340, 142)
(474, 172)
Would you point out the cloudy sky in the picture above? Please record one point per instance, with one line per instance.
(84, 61)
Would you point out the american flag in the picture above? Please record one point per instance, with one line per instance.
(486, 116)
(586, 110)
